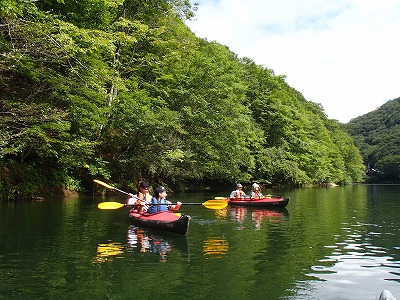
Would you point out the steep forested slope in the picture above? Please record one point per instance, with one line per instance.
(124, 91)
(377, 135)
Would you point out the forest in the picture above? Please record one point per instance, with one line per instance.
(123, 91)
(377, 135)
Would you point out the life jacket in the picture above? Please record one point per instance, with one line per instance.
(140, 197)
(158, 208)
(257, 195)
(239, 194)
(147, 198)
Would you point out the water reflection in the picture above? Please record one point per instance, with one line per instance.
(358, 259)
(215, 247)
(141, 240)
(106, 252)
(257, 215)
(353, 272)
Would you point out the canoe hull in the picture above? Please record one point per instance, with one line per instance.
(163, 221)
(273, 201)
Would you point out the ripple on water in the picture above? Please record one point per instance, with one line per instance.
(354, 264)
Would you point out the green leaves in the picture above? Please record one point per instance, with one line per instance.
(124, 90)
(17, 8)
(377, 135)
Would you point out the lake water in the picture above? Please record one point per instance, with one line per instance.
(334, 243)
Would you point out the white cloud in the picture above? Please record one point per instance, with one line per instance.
(342, 54)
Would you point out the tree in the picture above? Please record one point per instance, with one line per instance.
(377, 135)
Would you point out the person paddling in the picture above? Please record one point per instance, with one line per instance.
(238, 193)
(160, 194)
(256, 192)
(142, 199)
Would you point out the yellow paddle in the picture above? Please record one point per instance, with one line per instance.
(109, 186)
(211, 204)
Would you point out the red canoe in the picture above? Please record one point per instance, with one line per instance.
(165, 221)
(267, 201)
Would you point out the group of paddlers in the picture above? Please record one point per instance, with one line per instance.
(255, 192)
(145, 202)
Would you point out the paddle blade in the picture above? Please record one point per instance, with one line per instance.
(103, 184)
(220, 198)
(110, 205)
(215, 204)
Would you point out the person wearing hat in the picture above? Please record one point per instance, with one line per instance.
(160, 195)
(256, 192)
(142, 198)
(238, 193)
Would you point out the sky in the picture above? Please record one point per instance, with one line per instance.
(343, 54)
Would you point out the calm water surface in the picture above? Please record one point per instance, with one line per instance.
(335, 243)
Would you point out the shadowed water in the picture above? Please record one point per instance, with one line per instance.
(335, 243)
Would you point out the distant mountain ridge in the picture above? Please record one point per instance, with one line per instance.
(377, 135)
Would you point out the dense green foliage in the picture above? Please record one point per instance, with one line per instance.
(377, 135)
(123, 91)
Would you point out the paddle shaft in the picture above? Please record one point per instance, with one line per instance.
(115, 189)
(183, 203)
(133, 196)
(130, 205)
(126, 193)
(136, 197)
(212, 204)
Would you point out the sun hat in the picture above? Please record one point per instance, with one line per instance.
(144, 184)
(159, 190)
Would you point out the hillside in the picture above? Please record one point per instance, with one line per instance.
(123, 91)
(377, 135)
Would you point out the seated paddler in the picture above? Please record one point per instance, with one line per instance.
(256, 191)
(142, 198)
(160, 203)
(238, 193)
